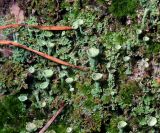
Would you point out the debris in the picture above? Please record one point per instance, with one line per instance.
(54, 59)
(52, 119)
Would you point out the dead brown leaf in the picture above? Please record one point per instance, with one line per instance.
(17, 13)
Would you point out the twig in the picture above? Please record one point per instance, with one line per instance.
(52, 119)
(56, 28)
(54, 59)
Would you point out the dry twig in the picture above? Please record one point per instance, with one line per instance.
(54, 59)
(52, 119)
(56, 28)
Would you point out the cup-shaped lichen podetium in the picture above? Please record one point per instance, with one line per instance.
(70, 81)
(62, 75)
(48, 73)
(96, 77)
(93, 53)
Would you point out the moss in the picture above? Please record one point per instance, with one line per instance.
(153, 48)
(122, 8)
(133, 123)
(84, 88)
(127, 91)
(113, 38)
(12, 77)
(114, 123)
(91, 123)
(83, 112)
(121, 71)
(12, 114)
(88, 103)
(106, 99)
(97, 120)
(58, 127)
(45, 9)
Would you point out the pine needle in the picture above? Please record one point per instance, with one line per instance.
(54, 59)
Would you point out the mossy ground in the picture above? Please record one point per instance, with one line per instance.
(128, 90)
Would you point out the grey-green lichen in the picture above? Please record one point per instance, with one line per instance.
(120, 100)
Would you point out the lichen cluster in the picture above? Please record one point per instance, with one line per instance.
(117, 40)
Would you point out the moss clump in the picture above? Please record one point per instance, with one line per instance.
(153, 48)
(127, 91)
(113, 124)
(122, 73)
(47, 9)
(58, 127)
(12, 77)
(122, 8)
(12, 115)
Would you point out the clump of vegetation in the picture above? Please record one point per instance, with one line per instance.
(12, 114)
(12, 77)
(128, 91)
(113, 126)
(120, 90)
(123, 8)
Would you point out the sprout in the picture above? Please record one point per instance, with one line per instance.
(44, 85)
(62, 74)
(63, 33)
(50, 131)
(93, 53)
(43, 104)
(121, 124)
(48, 33)
(108, 65)
(42, 42)
(143, 63)
(118, 47)
(69, 80)
(22, 98)
(71, 89)
(64, 67)
(126, 58)
(31, 127)
(36, 94)
(51, 45)
(48, 73)
(139, 31)
(31, 69)
(146, 38)
(77, 23)
(69, 129)
(152, 121)
(34, 125)
(96, 76)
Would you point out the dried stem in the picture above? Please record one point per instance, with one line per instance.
(54, 59)
(56, 28)
(52, 119)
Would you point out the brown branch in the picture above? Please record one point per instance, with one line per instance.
(54, 59)
(56, 28)
(52, 119)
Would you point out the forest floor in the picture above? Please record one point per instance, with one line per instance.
(98, 71)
